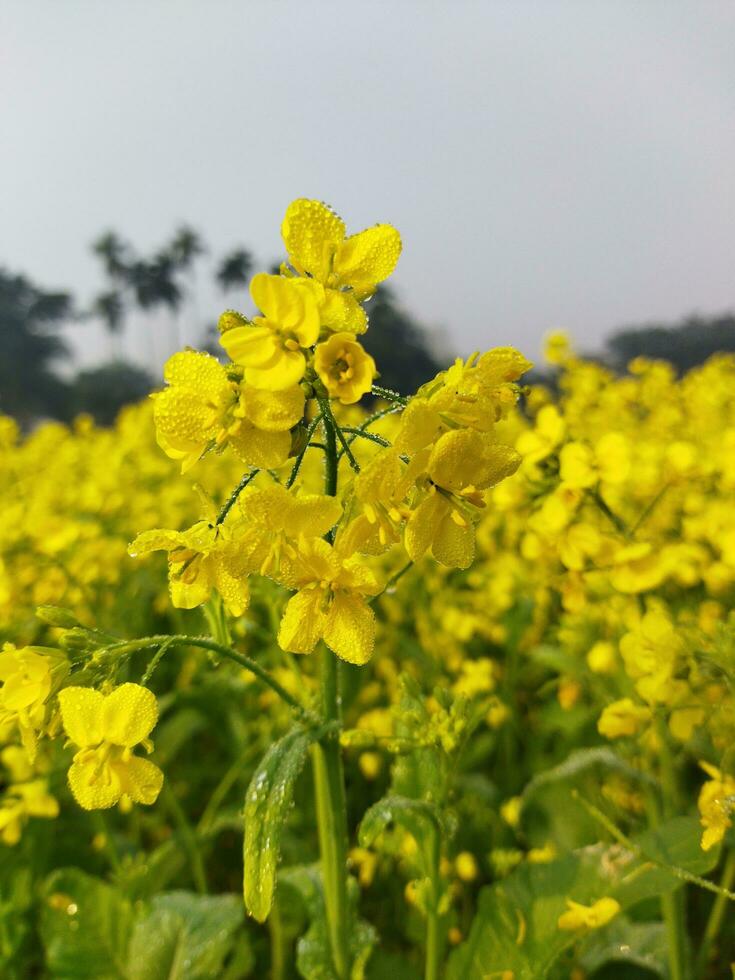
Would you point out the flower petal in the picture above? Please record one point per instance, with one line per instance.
(82, 715)
(368, 258)
(250, 346)
(312, 232)
(196, 370)
(303, 621)
(255, 447)
(129, 714)
(140, 779)
(285, 369)
(95, 786)
(273, 411)
(350, 628)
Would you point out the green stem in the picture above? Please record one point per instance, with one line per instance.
(235, 494)
(126, 647)
(223, 787)
(434, 938)
(188, 838)
(617, 522)
(363, 434)
(278, 958)
(672, 906)
(329, 789)
(333, 432)
(300, 458)
(389, 395)
(716, 916)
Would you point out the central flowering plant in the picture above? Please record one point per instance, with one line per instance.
(405, 478)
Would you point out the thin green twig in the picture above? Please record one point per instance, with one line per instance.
(326, 410)
(300, 458)
(362, 434)
(649, 508)
(617, 522)
(673, 869)
(126, 647)
(389, 394)
(235, 494)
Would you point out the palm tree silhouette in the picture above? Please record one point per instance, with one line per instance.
(234, 269)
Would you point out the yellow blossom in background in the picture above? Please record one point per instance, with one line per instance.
(106, 729)
(557, 347)
(466, 866)
(601, 658)
(583, 917)
(623, 718)
(26, 680)
(716, 804)
(510, 811)
(26, 795)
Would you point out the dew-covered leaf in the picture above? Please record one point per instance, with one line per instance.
(267, 801)
(85, 927)
(184, 937)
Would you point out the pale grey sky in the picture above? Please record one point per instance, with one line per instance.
(548, 163)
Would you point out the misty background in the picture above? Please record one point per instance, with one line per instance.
(549, 164)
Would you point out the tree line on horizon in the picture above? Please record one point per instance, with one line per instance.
(31, 348)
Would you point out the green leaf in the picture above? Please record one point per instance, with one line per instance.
(313, 956)
(184, 937)
(579, 763)
(516, 923)
(642, 944)
(266, 805)
(417, 816)
(85, 927)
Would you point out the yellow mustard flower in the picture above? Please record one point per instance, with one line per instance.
(366, 863)
(536, 444)
(26, 795)
(460, 466)
(344, 367)
(349, 268)
(26, 679)
(271, 522)
(380, 488)
(204, 557)
(329, 604)
(557, 347)
(511, 810)
(651, 652)
(204, 408)
(623, 718)
(197, 409)
(476, 677)
(577, 466)
(583, 917)
(716, 804)
(601, 657)
(465, 864)
(473, 394)
(106, 729)
(542, 855)
(271, 349)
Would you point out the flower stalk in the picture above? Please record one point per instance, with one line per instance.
(331, 806)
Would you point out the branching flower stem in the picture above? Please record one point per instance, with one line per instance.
(127, 647)
(331, 806)
(235, 494)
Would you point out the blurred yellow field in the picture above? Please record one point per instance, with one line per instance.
(493, 618)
